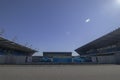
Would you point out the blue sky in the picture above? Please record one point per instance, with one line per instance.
(58, 25)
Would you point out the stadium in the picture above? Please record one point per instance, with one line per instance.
(13, 53)
(105, 50)
(58, 57)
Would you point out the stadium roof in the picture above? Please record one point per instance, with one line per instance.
(104, 41)
(4, 43)
(70, 53)
(58, 52)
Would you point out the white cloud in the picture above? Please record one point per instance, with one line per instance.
(87, 20)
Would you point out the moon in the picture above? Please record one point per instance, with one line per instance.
(87, 20)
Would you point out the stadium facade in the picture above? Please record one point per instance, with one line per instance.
(13, 53)
(105, 49)
(58, 57)
(37, 59)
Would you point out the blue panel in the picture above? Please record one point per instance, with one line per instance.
(78, 60)
(88, 59)
(62, 60)
(46, 59)
(2, 53)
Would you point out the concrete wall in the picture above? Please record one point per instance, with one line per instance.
(94, 59)
(29, 59)
(117, 56)
(2, 59)
(108, 59)
(37, 58)
(20, 59)
(12, 59)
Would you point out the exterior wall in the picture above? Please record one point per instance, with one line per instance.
(94, 59)
(37, 58)
(78, 59)
(12, 59)
(110, 59)
(117, 56)
(20, 59)
(56, 54)
(59, 57)
(29, 59)
(62, 60)
(2, 59)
